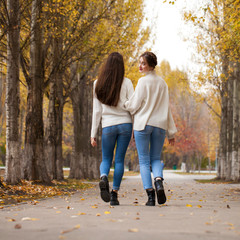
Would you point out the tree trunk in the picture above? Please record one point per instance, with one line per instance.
(86, 159)
(229, 126)
(34, 165)
(2, 98)
(238, 94)
(54, 127)
(50, 133)
(223, 131)
(236, 129)
(13, 153)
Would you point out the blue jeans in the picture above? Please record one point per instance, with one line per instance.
(149, 143)
(119, 135)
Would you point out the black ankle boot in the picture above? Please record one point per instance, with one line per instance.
(104, 189)
(151, 198)
(114, 198)
(161, 197)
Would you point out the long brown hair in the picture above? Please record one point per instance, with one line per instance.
(110, 80)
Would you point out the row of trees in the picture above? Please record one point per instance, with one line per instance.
(194, 140)
(218, 46)
(54, 49)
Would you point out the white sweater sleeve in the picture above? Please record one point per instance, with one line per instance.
(171, 125)
(96, 114)
(135, 102)
(130, 90)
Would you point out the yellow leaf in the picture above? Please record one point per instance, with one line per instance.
(94, 207)
(81, 213)
(98, 214)
(77, 226)
(133, 230)
(107, 212)
(188, 205)
(61, 237)
(208, 223)
(11, 220)
(29, 219)
(199, 206)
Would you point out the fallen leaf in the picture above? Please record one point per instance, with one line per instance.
(94, 207)
(199, 206)
(58, 211)
(107, 212)
(82, 199)
(137, 218)
(188, 205)
(208, 223)
(11, 220)
(111, 220)
(70, 230)
(29, 219)
(161, 215)
(228, 206)
(35, 202)
(18, 226)
(98, 214)
(77, 226)
(81, 213)
(62, 237)
(133, 230)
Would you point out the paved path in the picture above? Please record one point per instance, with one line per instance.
(193, 211)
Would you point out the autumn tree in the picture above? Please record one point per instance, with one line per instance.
(13, 154)
(218, 44)
(62, 45)
(34, 162)
(117, 31)
(189, 114)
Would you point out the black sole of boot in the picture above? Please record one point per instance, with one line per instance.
(104, 191)
(161, 197)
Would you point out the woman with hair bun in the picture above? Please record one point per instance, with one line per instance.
(152, 121)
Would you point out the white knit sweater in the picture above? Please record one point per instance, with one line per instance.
(109, 115)
(150, 104)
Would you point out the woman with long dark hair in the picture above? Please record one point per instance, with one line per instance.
(152, 122)
(110, 91)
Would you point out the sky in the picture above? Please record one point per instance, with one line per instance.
(171, 32)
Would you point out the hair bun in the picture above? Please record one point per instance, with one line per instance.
(151, 58)
(154, 58)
